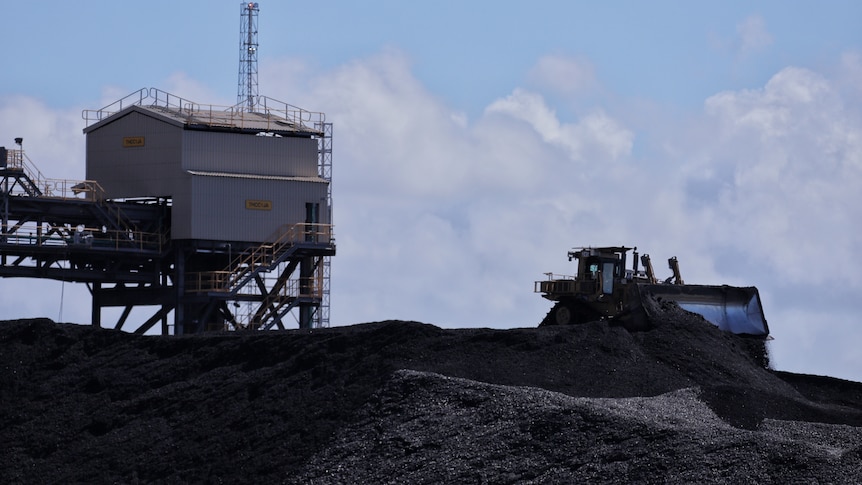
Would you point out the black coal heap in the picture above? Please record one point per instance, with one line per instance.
(405, 402)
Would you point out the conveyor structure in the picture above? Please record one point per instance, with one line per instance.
(211, 218)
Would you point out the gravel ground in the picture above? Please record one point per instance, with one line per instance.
(406, 402)
(426, 428)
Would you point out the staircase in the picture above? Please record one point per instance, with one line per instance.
(27, 180)
(262, 259)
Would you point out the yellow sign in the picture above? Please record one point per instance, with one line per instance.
(133, 141)
(258, 205)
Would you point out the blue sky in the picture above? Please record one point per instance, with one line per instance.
(476, 142)
(469, 52)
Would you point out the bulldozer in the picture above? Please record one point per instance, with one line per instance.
(605, 289)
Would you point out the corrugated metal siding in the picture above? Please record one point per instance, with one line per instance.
(206, 206)
(147, 171)
(181, 213)
(249, 154)
(219, 208)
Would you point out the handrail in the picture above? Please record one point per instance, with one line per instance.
(216, 281)
(268, 254)
(555, 276)
(289, 112)
(116, 106)
(59, 188)
(92, 191)
(86, 237)
(264, 107)
(243, 266)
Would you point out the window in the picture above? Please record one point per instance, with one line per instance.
(608, 268)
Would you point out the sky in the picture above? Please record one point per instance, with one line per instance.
(475, 143)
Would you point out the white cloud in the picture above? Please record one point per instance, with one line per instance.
(752, 35)
(453, 221)
(449, 220)
(792, 97)
(850, 73)
(760, 188)
(180, 84)
(409, 141)
(563, 75)
(795, 154)
(595, 137)
(52, 139)
(54, 145)
(449, 217)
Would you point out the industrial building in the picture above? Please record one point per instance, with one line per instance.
(214, 217)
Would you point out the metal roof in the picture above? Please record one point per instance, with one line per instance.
(258, 177)
(267, 116)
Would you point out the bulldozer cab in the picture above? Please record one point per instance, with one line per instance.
(602, 271)
(602, 265)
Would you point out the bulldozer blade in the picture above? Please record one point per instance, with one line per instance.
(730, 308)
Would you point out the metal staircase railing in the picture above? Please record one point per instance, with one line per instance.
(28, 176)
(277, 303)
(34, 184)
(261, 259)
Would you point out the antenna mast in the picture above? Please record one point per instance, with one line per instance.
(247, 90)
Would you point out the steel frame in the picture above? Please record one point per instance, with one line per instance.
(325, 172)
(123, 252)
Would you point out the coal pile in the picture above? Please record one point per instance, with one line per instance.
(406, 402)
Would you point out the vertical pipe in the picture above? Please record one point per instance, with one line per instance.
(6, 202)
(180, 288)
(96, 319)
(306, 310)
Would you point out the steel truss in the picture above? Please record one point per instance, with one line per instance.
(123, 252)
(324, 166)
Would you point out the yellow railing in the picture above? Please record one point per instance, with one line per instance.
(32, 235)
(558, 284)
(264, 256)
(58, 188)
(70, 189)
(217, 281)
(88, 190)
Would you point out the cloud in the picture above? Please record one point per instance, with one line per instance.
(54, 145)
(771, 181)
(52, 138)
(408, 138)
(180, 84)
(448, 215)
(752, 35)
(750, 38)
(563, 75)
(849, 74)
(449, 220)
(595, 136)
(796, 157)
